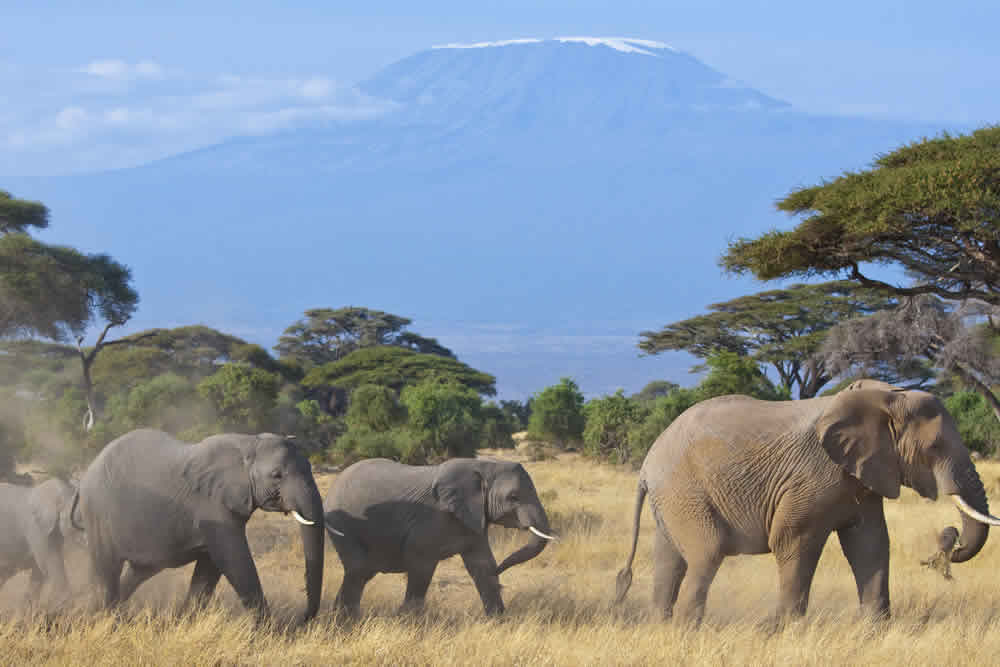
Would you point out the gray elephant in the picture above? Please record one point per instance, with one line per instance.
(155, 502)
(384, 516)
(735, 475)
(34, 528)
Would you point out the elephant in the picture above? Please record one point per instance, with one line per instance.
(384, 516)
(735, 475)
(155, 502)
(34, 528)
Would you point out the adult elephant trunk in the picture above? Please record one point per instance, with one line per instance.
(531, 518)
(966, 489)
(310, 514)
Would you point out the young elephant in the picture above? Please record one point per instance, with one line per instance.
(34, 525)
(734, 475)
(398, 518)
(154, 502)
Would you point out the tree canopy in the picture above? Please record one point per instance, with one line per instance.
(326, 334)
(783, 328)
(397, 367)
(931, 208)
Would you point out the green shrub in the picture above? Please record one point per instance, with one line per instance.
(661, 414)
(557, 414)
(399, 444)
(498, 427)
(375, 407)
(445, 416)
(244, 398)
(978, 426)
(609, 420)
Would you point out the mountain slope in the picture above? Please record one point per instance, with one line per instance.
(534, 205)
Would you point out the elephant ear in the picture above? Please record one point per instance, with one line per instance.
(857, 432)
(460, 489)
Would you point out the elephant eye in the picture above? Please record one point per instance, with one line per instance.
(276, 473)
(512, 498)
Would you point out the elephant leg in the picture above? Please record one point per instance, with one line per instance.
(482, 567)
(866, 545)
(133, 577)
(701, 571)
(669, 568)
(351, 589)
(203, 582)
(35, 582)
(797, 560)
(230, 552)
(418, 580)
(107, 573)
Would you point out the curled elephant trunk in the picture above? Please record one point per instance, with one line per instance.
(976, 519)
(312, 546)
(534, 521)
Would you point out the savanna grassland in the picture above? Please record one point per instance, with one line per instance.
(558, 605)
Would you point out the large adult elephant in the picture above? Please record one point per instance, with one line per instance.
(735, 475)
(34, 528)
(398, 518)
(155, 502)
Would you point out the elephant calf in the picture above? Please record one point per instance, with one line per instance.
(154, 502)
(384, 516)
(34, 524)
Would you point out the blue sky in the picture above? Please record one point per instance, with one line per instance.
(95, 85)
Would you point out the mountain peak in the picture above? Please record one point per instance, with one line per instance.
(623, 44)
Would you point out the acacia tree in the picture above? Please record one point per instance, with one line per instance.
(923, 331)
(931, 208)
(325, 335)
(57, 292)
(782, 328)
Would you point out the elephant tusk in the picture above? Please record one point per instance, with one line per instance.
(540, 533)
(989, 520)
(333, 530)
(301, 519)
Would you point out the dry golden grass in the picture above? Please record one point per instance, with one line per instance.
(558, 605)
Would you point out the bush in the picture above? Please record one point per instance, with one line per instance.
(557, 414)
(977, 424)
(498, 427)
(730, 373)
(244, 398)
(661, 414)
(609, 420)
(375, 407)
(399, 444)
(445, 416)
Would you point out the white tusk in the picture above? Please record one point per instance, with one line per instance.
(989, 520)
(540, 533)
(301, 519)
(333, 530)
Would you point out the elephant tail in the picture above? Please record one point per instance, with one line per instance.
(72, 510)
(624, 579)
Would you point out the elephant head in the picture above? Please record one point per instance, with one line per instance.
(277, 477)
(886, 437)
(479, 492)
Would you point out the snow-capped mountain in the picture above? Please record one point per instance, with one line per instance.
(532, 203)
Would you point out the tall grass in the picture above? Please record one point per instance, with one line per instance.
(558, 605)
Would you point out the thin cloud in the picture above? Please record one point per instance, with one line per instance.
(98, 117)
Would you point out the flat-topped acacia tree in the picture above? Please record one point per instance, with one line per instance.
(931, 208)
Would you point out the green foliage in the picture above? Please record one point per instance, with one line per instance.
(326, 335)
(396, 368)
(557, 413)
(446, 416)
(729, 373)
(978, 426)
(244, 398)
(783, 328)
(17, 215)
(654, 390)
(608, 423)
(660, 415)
(399, 444)
(498, 427)
(906, 211)
(517, 412)
(375, 408)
